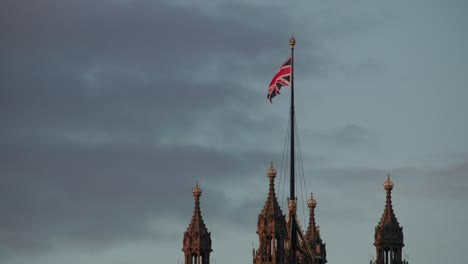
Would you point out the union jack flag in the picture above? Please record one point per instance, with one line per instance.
(281, 78)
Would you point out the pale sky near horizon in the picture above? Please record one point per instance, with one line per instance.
(111, 110)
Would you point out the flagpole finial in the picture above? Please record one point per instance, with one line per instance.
(292, 41)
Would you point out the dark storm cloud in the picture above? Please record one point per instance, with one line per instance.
(141, 28)
(94, 65)
(120, 103)
(103, 193)
(161, 38)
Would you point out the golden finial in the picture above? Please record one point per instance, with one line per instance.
(292, 41)
(271, 172)
(388, 184)
(196, 191)
(311, 202)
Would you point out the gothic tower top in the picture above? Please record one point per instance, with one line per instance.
(197, 225)
(311, 233)
(388, 233)
(271, 228)
(388, 217)
(197, 239)
(271, 205)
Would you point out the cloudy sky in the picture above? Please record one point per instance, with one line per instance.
(111, 110)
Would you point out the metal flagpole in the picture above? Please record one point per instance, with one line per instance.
(292, 197)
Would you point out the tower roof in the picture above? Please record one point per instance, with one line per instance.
(271, 205)
(271, 219)
(197, 224)
(271, 226)
(388, 217)
(388, 232)
(311, 233)
(197, 237)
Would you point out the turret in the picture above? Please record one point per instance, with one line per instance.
(197, 239)
(312, 237)
(388, 233)
(271, 228)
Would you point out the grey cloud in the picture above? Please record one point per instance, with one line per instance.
(349, 135)
(447, 183)
(91, 74)
(138, 32)
(106, 193)
(410, 182)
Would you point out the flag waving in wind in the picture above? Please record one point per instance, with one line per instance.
(281, 78)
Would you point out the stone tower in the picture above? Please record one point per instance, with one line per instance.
(197, 239)
(312, 237)
(389, 233)
(271, 228)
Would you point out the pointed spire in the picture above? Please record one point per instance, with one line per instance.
(271, 227)
(271, 205)
(388, 238)
(271, 172)
(311, 233)
(196, 191)
(197, 224)
(197, 239)
(388, 216)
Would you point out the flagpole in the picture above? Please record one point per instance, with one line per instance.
(292, 196)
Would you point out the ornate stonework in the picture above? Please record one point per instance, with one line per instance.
(274, 233)
(197, 239)
(312, 236)
(388, 233)
(271, 228)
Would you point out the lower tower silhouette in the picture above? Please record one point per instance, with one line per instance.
(271, 228)
(197, 239)
(388, 233)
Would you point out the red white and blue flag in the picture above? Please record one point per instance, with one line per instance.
(281, 78)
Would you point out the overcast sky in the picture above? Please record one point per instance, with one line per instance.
(111, 110)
